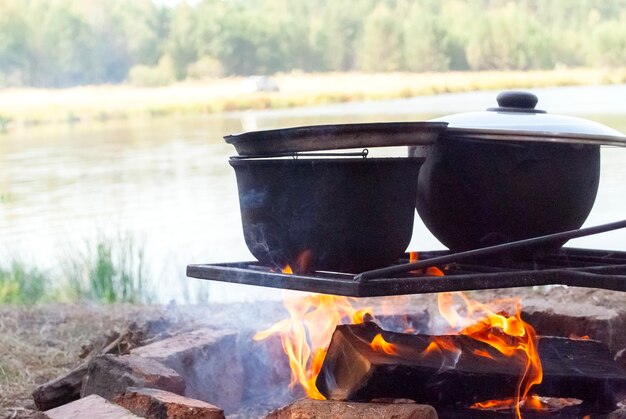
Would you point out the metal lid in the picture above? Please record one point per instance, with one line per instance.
(516, 118)
(336, 137)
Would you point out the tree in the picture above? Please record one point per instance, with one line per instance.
(425, 45)
(13, 46)
(381, 43)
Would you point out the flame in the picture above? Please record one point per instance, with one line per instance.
(431, 270)
(576, 337)
(484, 354)
(287, 270)
(532, 402)
(506, 333)
(305, 335)
(379, 344)
(311, 323)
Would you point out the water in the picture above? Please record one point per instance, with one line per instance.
(168, 183)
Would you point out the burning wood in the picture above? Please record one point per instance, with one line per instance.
(459, 370)
(312, 319)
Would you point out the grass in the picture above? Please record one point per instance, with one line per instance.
(42, 342)
(106, 271)
(20, 284)
(26, 107)
(109, 271)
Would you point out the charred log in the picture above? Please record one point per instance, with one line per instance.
(472, 372)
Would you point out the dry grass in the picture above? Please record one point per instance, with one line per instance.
(41, 343)
(100, 103)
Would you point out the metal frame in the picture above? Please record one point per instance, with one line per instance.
(573, 267)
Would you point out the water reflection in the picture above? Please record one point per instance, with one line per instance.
(168, 183)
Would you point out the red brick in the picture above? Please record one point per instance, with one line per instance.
(158, 404)
(209, 362)
(89, 407)
(109, 376)
(330, 409)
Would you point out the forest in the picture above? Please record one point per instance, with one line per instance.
(64, 43)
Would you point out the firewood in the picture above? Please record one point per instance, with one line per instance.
(355, 371)
(67, 388)
(61, 390)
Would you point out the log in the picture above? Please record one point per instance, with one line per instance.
(61, 390)
(354, 371)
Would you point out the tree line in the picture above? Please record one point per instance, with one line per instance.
(59, 43)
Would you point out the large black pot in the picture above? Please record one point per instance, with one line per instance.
(347, 214)
(510, 173)
(474, 193)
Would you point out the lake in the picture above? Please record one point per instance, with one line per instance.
(167, 183)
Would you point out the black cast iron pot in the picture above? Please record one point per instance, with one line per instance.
(343, 214)
(510, 173)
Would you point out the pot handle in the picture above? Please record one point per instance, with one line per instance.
(516, 101)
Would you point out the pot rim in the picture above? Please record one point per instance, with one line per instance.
(336, 136)
(326, 161)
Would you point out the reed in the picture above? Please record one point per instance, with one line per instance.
(108, 271)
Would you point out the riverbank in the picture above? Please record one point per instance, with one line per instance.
(28, 107)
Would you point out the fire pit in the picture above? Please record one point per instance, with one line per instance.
(488, 361)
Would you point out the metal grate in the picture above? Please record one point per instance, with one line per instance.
(569, 266)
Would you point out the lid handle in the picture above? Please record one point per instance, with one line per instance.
(516, 101)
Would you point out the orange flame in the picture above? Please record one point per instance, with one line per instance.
(532, 402)
(432, 270)
(508, 334)
(287, 270)
(311, 323)
(576, 337)
(305, 335)
(380, 344)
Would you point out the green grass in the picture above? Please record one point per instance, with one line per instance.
(20, 284)
(106, 271)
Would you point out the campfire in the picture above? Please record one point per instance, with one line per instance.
(493, 331)
(501, 189)
(488, 355)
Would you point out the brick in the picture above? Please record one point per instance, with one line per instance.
(209, 362)
(109, 376)
(89, 407)
(552, 318)
(158, 404)
(329, 409)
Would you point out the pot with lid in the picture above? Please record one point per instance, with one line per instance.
(510, 173)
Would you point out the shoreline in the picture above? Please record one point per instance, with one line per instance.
(28, 107)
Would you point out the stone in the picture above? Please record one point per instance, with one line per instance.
(151, 403)
(109, 376)
(553, 318)
(92, 406)
(208, 360)
(328, 409)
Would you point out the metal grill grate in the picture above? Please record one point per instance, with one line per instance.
(569, 266)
